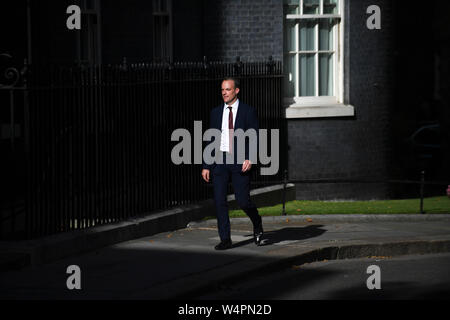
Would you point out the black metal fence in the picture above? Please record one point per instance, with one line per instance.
(95, 141)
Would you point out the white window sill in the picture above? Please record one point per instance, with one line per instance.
(295, 111)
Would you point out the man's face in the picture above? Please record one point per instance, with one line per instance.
(229, 92)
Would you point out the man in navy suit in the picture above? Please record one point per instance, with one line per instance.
(230, 116)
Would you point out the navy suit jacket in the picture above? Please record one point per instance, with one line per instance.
(246, 118)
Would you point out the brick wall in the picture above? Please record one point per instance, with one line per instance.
(251, 29)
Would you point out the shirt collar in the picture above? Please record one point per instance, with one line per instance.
(234, 106)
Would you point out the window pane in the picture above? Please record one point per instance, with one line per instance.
(290, 75)
(292, 6)
(89, 5)
(311, 6)
(326, 74)
(306, 35)
(161, 37)
(307, 75)
(163, 5)
(289, 36)
(326, 34)
(156, 5)
(330, 6)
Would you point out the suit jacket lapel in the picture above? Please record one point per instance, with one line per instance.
(239, 116)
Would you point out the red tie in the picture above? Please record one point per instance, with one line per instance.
(230, 118)
(230, 129)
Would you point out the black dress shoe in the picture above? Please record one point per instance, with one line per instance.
(224, 245)
(257, 235)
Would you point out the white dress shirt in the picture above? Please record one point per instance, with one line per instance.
(225, 138)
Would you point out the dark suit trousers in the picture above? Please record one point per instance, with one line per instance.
(221, 175)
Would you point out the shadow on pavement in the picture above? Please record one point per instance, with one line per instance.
(264, 287)
(395, 291)
(286, 234)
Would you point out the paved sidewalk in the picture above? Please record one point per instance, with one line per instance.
(184, 264)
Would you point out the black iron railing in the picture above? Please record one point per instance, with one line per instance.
(96, 140)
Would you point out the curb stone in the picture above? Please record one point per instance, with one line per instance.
(334, 218)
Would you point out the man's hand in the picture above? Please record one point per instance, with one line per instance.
(246, 166)
(205, 175)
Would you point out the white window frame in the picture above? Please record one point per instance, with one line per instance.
(320, 106)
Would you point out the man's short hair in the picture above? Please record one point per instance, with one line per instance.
(235, 80)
